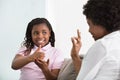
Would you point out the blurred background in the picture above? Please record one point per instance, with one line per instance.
(65, 17)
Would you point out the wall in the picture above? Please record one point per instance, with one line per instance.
(66, 17)
(14, 17)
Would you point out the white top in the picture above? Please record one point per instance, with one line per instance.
(102, 61)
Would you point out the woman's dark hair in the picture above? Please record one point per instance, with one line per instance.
(103, 12)
(28, 43)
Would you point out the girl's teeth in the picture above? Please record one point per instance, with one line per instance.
(41, 41)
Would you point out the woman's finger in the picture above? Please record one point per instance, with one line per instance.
(78, 33)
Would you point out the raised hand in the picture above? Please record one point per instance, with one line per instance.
(76, 41)
(37, 54)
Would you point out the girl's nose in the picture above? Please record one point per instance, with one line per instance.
(40, 35)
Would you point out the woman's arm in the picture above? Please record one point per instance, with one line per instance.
(110, 70)
(77, 61)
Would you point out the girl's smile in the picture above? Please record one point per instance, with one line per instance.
(40, 35)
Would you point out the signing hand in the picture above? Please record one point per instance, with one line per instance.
(37, 54)
(76, 41)
(42, 64)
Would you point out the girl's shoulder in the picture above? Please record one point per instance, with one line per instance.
(21, 50)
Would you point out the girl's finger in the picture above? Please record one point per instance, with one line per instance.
(38, 50)
(48, 62)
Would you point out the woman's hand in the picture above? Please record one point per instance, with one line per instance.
(76, 41)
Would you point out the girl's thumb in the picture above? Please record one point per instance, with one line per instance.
(38, 50)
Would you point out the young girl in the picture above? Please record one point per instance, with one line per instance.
(38, 59)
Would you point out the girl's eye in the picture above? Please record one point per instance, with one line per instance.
(44, 33)
(35, 33)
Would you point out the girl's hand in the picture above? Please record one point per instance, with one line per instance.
(37, 54)
(76, 41)
(42, 64)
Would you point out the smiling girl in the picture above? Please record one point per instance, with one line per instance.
(38, 59)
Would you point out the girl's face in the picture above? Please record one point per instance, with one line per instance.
(96, 31)
(40, 34)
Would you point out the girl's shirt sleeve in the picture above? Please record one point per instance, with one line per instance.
(21, 51)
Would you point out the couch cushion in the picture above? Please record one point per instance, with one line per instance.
(67, 71)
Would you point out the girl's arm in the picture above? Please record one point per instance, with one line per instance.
(51, 75)
(19, 61)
